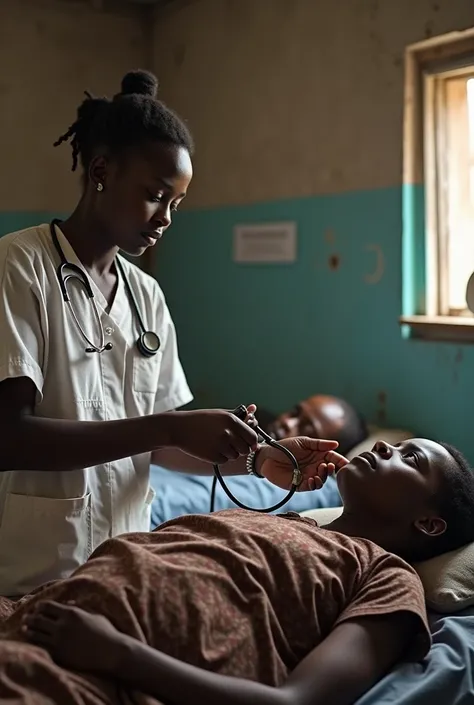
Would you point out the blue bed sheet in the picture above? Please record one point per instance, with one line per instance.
(178, 494)
(445, 677)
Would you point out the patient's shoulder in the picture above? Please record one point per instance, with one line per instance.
(388, 585)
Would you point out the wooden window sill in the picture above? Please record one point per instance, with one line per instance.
(455, 329)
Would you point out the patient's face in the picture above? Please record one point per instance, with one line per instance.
(317, 417)
(395, 483)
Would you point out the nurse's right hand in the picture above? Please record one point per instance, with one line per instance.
(212, 435)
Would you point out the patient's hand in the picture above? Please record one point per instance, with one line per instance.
(317, 459)
(75, 639)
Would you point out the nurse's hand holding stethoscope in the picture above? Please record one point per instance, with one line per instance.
(316, 458)
(213, 435)
(217, 436)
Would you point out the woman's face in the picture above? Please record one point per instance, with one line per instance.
(141, 191)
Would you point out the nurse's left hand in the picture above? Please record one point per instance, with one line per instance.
(317, 460)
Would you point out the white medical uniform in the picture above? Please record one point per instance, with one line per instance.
(50, 522)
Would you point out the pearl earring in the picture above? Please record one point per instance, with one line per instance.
(100, 186)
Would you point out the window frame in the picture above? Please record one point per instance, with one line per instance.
(421, 244)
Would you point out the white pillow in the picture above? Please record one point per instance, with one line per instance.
(448, 580)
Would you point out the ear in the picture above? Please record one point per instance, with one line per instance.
(431, 526)
(98, 170)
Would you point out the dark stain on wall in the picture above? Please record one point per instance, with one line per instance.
(334, 262)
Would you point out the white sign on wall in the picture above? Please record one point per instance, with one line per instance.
(269, 243)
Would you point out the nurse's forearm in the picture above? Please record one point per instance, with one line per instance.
(33, 443)
(175, 459)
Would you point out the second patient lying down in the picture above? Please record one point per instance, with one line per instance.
(238, 607)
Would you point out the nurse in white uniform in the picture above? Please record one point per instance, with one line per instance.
(88, 356)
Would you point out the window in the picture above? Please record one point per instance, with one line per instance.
(439, 162)
(449, 192)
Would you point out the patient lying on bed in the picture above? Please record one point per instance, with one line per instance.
(238, 607)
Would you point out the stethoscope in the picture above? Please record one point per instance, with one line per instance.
(148, 342)
(241, 413)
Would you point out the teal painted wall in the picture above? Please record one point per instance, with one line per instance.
(276, 334)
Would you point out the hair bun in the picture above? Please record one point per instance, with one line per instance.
(139, 83)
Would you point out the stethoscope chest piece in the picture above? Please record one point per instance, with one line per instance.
(148, 343)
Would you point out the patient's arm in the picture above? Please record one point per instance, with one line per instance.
(343, 667)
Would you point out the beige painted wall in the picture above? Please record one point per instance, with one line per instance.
(50, 52)
(293, 97)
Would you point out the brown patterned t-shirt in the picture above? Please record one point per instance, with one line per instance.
(240, 593)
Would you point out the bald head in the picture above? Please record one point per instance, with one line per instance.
(322, 416)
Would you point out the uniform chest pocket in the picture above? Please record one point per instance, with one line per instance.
(146, 373)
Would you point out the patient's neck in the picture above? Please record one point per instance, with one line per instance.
(374, 529)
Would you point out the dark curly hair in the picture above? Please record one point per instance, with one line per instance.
(455, 504)
(133, 117)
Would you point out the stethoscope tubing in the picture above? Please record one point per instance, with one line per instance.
(76, 272)
(241, 413)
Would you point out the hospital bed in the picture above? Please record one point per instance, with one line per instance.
(178, 494)
(445, 677)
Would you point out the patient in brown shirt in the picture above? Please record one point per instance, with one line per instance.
(239, 608)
